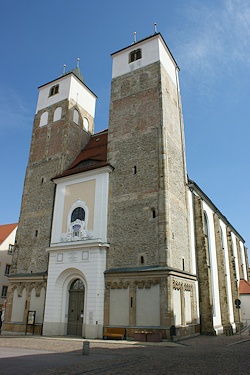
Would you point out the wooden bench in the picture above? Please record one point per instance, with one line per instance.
(114, 333)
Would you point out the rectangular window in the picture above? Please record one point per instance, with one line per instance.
(135, 55)
(54, 90)
(7, 269)
(10, 249)
(4, 291)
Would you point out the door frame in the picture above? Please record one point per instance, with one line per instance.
(71, 275)
(80, 302)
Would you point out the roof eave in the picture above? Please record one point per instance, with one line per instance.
(147, 38)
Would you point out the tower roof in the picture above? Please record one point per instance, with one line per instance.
(77, 72)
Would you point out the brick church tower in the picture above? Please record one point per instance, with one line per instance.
(149, 262)
(63, 123)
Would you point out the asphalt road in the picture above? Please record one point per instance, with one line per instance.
(25, 355)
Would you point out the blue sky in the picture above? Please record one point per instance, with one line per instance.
(210, 42)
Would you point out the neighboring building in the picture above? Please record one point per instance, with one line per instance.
(7, 241)
(245, 300)
(111, 229)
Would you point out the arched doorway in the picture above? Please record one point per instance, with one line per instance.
(76, 308)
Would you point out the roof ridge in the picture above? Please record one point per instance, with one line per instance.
(77, 72)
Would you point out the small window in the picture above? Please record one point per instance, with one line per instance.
(135, 55)
(142, 259)
(7, 269)
(10, 249)
(76, 117)
(54, 90)
(44, 119)
(85, 124)
(134, 169)
(4, 291)
(57, 114)
(78, 213)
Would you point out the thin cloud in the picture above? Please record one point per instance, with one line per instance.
(215, 37)
(14, 113)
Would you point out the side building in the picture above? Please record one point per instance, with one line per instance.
(7, 241)
(221, 264)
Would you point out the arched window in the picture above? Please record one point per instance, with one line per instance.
(44, 119)
(54, 90)
(78, 213)
(57, 114)
(77, 219)
(135, 55)
(77, 285)
(77, 223)
(76, 117)
(206, 229)
(85, 124)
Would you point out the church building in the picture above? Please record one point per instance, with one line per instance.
(112, 233)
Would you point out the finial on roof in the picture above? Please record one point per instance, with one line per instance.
(134, 36)
(155, 27)
(64, 68)
(78, 62)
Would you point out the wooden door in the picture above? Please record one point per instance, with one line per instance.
(76, 308)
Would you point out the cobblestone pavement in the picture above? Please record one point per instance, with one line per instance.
(39, 355)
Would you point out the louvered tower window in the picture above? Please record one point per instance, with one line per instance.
(135, 55)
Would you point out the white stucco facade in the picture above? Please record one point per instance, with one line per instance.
(245, 308)
(6, 260)
(153, 50)
(69, 88)
(78, 258)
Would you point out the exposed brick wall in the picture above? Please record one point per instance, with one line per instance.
(203, 270)
(239, 259)
(232, 266)
(145, 133)
(223, 292)
(53, 147)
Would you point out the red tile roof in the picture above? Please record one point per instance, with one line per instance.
(244, 287)
(94, 155)
(5, 231)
